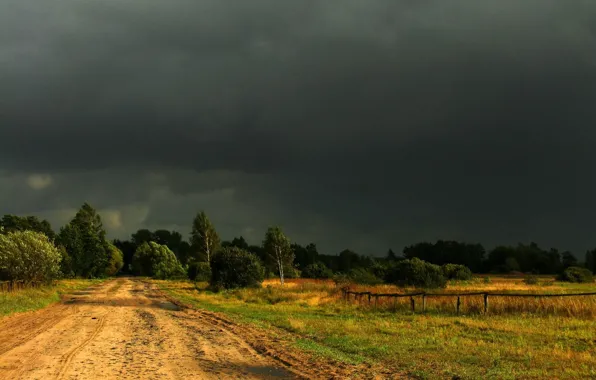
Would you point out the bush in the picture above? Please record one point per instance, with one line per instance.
(456, 272)
(116, 261)
(199, 272)
(364, 277)
(234, 267)
(417, 273)
(317, 270)
(28, 256)
(531, 280)
(576, 274)
(157, 261)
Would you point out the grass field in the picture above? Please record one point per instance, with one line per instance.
(34, 299)
(556, 339)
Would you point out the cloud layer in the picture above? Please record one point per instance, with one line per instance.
(350, 123)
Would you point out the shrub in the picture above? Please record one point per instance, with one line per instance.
(116, 261)
(576, 274)
(417, 273)
(157, 261)
(456, 272)
(364, 277)
(28, 256)
(531, 280)
(234, 267)
(317, 270)
(199, 271)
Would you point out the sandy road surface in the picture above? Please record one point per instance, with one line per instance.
(124, 329)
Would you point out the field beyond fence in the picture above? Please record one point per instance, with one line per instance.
(423, 297)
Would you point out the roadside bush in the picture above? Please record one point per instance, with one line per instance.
(116, 260)
(317, 270)
(157, 261)
(199, 272)
(234, 267)
(576, 274)
(417, 273)
(28, 256)
(456, 272)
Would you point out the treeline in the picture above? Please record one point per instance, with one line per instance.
(31, 251)
(81, 249)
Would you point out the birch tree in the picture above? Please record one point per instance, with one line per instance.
(204, 238)
(278, 248)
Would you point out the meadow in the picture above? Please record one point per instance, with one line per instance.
(519, 337)
(38, 298)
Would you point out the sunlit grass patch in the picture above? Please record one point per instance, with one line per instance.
(509, 343)
(38, 298)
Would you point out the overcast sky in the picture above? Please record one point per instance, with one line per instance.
(350, 123)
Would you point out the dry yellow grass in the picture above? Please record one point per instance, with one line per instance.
(517, 339)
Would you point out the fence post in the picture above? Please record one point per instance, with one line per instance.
(369, 298)
(458, 304)
(424, 303)
(413, 303)
(485, 302)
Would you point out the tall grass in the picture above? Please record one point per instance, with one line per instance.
(323, 291)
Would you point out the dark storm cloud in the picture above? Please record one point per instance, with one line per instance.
(369, 124)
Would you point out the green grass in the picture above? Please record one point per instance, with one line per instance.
(34, 299)
(430, 346)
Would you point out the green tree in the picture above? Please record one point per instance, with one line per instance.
(418, 273)
(116, 261)
(85, 241)
(278, 248)
(28, 256)
(12, 223)
(157, 261)
(204, 239)
(232, 267)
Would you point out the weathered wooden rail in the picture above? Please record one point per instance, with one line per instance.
(13, 286)
(358, 297)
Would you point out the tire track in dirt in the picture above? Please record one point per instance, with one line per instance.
(68, 359)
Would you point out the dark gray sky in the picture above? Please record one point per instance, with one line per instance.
(361, 124)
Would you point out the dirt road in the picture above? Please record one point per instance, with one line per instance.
(124, 329)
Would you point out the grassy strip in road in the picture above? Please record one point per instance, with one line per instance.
(425, 346)
(34, 299)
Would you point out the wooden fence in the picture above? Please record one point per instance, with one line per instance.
(13, 286)
(375, 297)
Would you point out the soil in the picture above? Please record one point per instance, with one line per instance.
(125, 329)
(128, 329)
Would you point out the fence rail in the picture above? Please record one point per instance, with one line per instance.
(358, 297)
(13, 286)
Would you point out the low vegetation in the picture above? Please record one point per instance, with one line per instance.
(576, 274)
(28, 256)
(38, 298)
(512, 341)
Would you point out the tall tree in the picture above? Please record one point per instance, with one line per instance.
(204, 239)
(13, 223)
(278, 248)
(85, 241)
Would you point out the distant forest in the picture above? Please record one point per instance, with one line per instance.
(307, 260)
